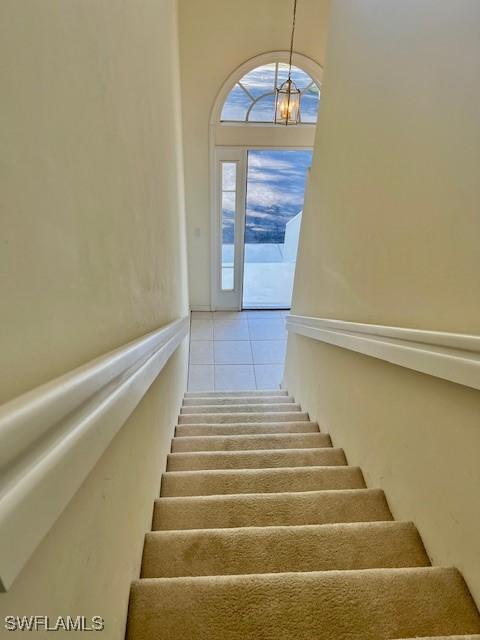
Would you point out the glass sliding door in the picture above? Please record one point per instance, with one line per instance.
(276, 181)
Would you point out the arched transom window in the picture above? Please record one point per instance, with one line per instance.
(252, 99)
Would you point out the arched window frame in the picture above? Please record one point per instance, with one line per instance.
(242, 135)
(255, 100)
(312, 68)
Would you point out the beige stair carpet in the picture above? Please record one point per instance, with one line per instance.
(243, 416)
(269, 509)
(203, 552)
(246, 442)
(236, 394)
(225, 481)
(242, 428)
(244, 408)
(264, 458)
(368, 604)
(229, 400)
(263, 531)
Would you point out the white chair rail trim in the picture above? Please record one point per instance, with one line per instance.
(52, 436)
(451, 356)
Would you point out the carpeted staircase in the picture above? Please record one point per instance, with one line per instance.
(262, 532)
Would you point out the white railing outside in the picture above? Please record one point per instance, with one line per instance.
(292, 236)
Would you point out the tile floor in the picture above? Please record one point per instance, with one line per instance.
(236, 350)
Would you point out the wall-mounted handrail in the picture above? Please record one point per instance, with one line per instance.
(51, 437)
(451, 356)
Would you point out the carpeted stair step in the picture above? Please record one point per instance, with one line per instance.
(229, 400)
(270, 509)
(252, 442)
(203, 552)
(294, 479)
(266, 459)
(241, 428)
(215, 418)
(372, 604)
(240, 408)
(235, 394)
(263, 531)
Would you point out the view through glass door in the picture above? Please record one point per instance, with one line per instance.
(275, 193)
(259, 195)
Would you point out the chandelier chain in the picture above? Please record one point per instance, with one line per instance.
(291, 39)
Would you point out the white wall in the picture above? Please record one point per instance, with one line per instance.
(390, 236)
(92, 255)
(217, 36)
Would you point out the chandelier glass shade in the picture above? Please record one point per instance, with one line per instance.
(287, 103)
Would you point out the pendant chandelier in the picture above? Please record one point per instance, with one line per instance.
(287, 95)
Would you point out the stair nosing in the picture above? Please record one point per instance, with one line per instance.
(256, 435)
(285, 527)
(270, 496)
(233, 413)
(244, 429)
(240, 404)
(276, 440)
(249, 451)
(242, 424)
(246, 400)
(292, 415)
(281, 398)
(234, 392)
(273, 471)
(313, 574)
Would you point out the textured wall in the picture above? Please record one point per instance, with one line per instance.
(391, 227)
(390, 236)
(91, 197)
(92, 254)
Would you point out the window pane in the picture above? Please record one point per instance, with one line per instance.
(309, 104)
(275, 192)
(260, 85)
(229, 173)
(228, 217)
(260, 80)
(264, 110)
(275, 195)
(236, 105)
(229, 176)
